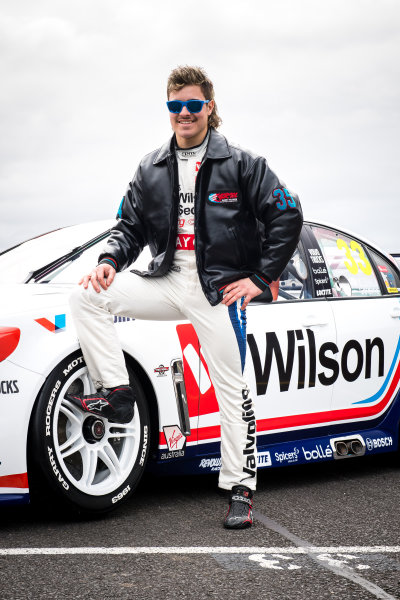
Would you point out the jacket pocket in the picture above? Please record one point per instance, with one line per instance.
(240, 246)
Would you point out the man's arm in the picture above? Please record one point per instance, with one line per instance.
(125, 243)
(280, 213)
(128, 236)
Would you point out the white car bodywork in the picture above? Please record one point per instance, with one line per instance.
(319, 366)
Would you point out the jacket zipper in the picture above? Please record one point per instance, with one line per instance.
(173, 215)
(196, 194)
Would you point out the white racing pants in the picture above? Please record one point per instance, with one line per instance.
(221, 332)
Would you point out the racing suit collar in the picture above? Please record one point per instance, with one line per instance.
(217, 147)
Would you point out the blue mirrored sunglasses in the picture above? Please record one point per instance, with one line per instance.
(193, 106)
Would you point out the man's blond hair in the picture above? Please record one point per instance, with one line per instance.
(186, 75)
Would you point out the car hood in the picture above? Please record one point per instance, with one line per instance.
(19, 298)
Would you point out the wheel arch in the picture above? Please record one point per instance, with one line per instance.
(148, 390)
(151, 398)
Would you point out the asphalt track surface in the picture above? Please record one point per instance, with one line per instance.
(328, 531)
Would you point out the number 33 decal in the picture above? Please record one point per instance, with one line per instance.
(285, 198)
(363, 264)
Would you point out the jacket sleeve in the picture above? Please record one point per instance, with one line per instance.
(279, 213)
(128, 236)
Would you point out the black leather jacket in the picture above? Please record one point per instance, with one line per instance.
(246, 221)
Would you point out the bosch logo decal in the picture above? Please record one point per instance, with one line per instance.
(9, 386)
(363, 358)
(383, 442)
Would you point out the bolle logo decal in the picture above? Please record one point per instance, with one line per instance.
(73, 364)
(9, 386)
(50, 406)
(55, 469)
(249, 418)
(144, 448)
(318, 452)
(308, 355)
(119, 496)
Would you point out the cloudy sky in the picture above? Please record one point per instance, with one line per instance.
(313, 86)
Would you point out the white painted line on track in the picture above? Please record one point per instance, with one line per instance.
(202, 550)
(337, 567)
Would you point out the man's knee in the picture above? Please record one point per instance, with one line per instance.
(79, 299)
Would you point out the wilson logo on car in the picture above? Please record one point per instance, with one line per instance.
(370, 353)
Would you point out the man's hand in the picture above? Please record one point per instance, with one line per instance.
(101, 276)
(243, 287)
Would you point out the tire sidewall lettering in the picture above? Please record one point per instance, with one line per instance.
(45, 454)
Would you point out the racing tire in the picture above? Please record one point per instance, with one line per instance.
(91, 464)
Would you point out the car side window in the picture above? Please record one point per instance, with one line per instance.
(348, 264)
(294, 282)
(387, 272)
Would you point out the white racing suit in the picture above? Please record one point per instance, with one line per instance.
(178, 295)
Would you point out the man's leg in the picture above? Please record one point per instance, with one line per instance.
(221, 331)
(129, 295)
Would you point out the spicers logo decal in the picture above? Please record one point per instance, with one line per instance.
(223, 197)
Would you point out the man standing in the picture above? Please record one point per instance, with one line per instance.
(221, 227)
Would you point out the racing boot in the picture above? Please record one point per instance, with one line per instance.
(240, 513)
(115, 404)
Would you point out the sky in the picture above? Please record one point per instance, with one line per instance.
(312, 86)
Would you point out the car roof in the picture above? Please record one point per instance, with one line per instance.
(351, 234)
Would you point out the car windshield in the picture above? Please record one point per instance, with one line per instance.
(19, 262)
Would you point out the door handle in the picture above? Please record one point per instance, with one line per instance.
(311, 321)
(395, 314)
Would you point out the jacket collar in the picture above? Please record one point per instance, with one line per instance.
(217, 147)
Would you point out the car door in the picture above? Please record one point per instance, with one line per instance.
(285, 339)
(364, 362)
